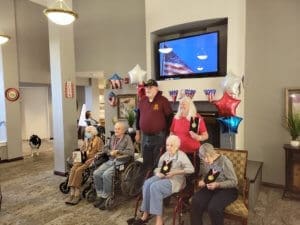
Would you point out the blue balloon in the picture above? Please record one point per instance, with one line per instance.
(229, 124)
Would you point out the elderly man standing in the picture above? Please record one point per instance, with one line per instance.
(119, 144)
(154, 117)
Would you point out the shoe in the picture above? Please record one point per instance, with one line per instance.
(140, 222)
(69, 200)
(102, 205)
(99, 201)
(75, 200)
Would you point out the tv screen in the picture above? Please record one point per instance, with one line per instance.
(192, 56)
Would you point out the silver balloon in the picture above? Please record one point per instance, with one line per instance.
(232, 84)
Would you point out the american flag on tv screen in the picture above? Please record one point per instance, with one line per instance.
(172, 65)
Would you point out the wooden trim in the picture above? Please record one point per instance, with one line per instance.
(11, 160)
(280, 186)
(63, 174)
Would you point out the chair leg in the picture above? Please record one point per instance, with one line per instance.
(178, 211)
(245, 221)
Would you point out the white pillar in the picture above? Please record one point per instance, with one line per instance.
(9, 78)
(62, 65)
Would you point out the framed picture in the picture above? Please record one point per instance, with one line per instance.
(292, 101)
(126, 103)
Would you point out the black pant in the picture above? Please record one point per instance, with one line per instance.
(214, 201)
(151, 146)
(195, 162)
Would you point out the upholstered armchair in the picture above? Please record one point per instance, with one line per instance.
(238, 210)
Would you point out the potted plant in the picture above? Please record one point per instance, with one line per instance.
(130, 117)
(293, 126)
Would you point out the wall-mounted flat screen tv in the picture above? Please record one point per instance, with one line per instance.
(188, 57)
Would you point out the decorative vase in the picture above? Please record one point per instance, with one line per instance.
(295, 143)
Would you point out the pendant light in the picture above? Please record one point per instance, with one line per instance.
(60, 13)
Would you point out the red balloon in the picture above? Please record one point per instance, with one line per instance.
(227, 105)
(141, 91)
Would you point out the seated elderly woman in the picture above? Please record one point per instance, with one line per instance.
(218, 186)
(92, 145)
(169, 178)
(119, 144)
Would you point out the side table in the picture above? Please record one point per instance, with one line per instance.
(292, 172)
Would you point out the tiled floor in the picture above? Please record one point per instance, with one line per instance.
(31, 196)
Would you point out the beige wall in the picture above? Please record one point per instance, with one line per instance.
(272, 64)
(109, 35)
(33, 43)
(164, 14)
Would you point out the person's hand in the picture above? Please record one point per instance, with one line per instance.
(213, 186)
(201, 183)
(160, 175)
(114, 153)
(170, 174)
(89, 161)
(137, 136)
(194, 135)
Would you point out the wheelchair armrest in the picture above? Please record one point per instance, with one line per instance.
(123, 158)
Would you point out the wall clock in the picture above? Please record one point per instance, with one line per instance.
(12, 94)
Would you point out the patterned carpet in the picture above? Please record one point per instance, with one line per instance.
(31, 196)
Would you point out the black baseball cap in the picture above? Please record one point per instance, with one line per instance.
(151, 82)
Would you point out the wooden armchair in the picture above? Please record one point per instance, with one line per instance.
(238, 210)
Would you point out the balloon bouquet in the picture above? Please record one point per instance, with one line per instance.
(227, 106)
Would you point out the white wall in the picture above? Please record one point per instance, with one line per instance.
(164, 14)
(35, 112)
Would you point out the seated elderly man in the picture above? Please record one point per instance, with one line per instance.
(119, 144)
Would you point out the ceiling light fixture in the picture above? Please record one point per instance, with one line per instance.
(60, 13)
(4, 39)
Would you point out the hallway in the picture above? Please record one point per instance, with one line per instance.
(31, 197)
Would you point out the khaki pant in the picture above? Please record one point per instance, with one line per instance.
(75, 177)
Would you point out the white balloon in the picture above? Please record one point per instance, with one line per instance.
(232, 84)
(137, 75)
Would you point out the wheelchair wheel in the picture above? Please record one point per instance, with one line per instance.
(132, 179)
(110, 203)
(85, 176)
(85, 190)
(63, 187)
(91, 195)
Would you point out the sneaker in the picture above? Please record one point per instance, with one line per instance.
(75, 200)
(69, 199)
(98, 201)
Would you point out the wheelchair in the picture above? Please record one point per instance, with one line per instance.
(127, 179)
(63, 186)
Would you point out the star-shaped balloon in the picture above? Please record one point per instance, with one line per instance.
(229, 124)
(115, 81)
(232, 84)
(227, 105)
(137, 75)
